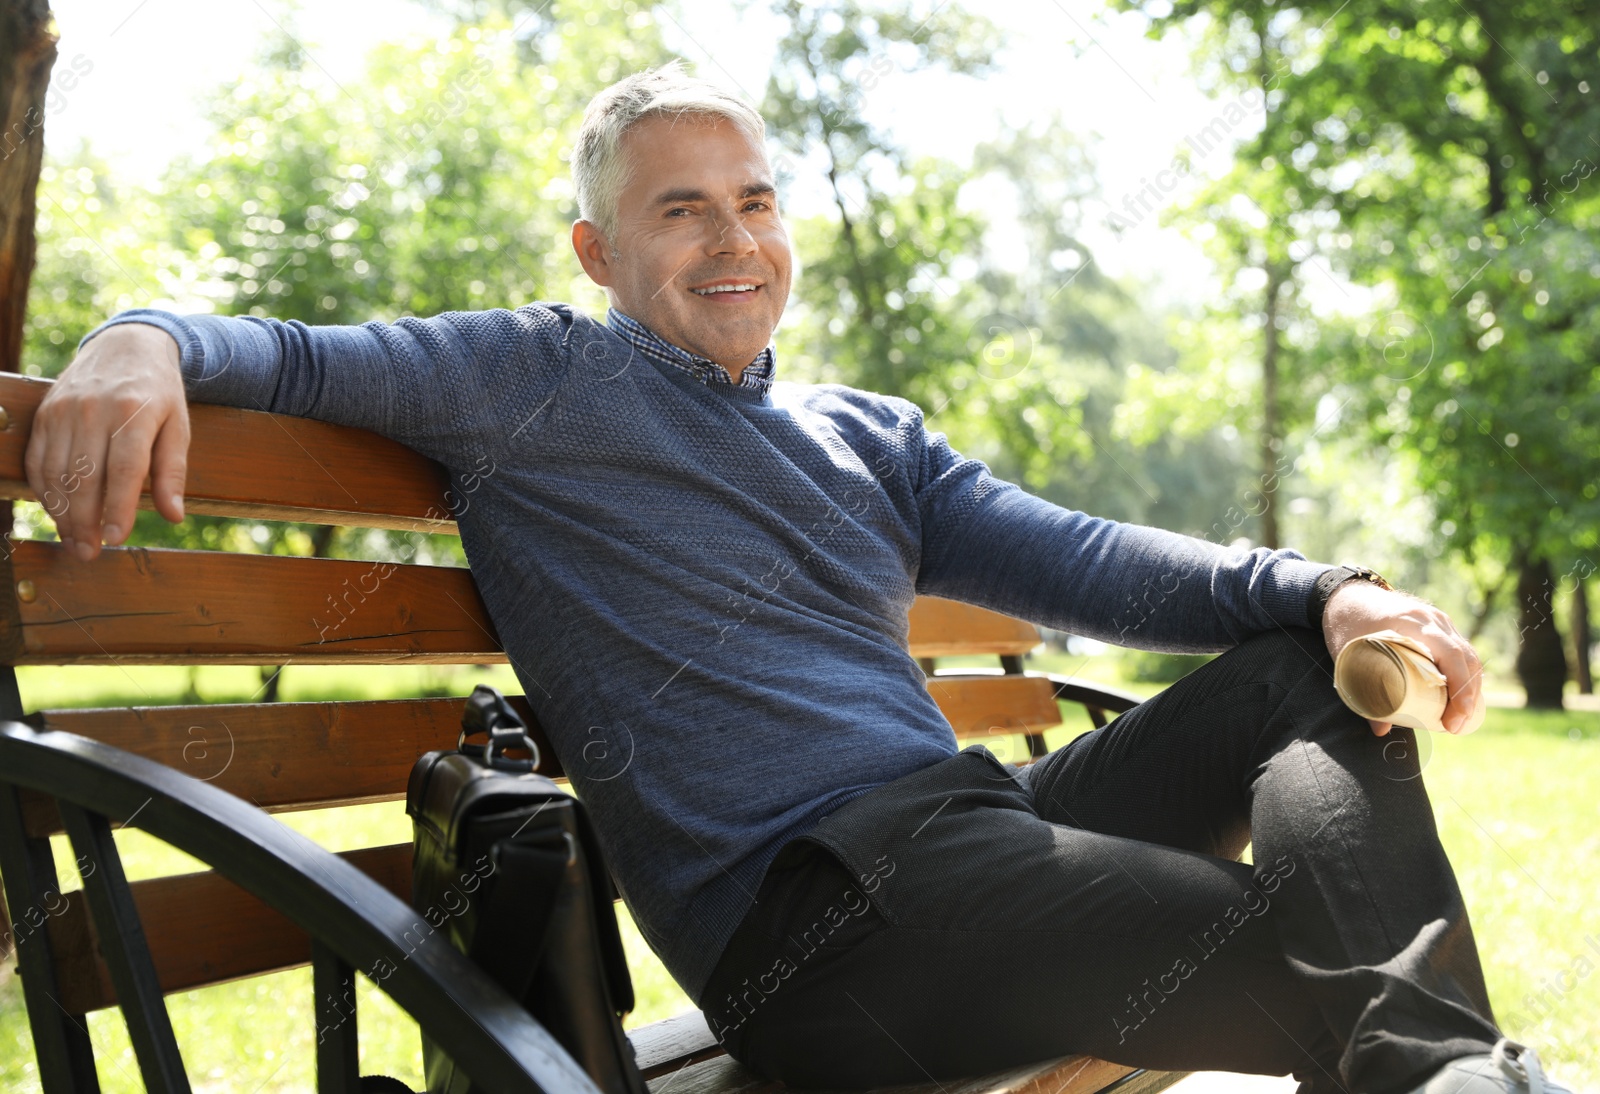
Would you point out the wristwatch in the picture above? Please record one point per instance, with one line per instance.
(1331, 580)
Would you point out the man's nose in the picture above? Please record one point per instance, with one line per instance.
(729, 234)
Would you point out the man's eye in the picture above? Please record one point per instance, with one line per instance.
(675, 212)
(757, 207)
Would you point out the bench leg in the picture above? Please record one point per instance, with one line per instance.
(333, 984)
(122, 944)
(60, 1040)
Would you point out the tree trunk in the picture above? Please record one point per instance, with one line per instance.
(27, 51)
(1271, 413)
(1582, 639)
(1481, 613)
(1541, 660)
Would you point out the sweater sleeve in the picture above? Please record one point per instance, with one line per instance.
(986, 541)
(447, 386)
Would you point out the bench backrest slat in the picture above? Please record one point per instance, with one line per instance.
(153, 606)
(270, 466)
(143, 606)
(352, 752)
(202, 929)
(344, 753)
(949, 628)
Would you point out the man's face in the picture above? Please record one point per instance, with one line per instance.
(699, 215)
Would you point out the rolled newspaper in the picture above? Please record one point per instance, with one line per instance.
(1389, 677)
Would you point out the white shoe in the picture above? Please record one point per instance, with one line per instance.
(1510, 1068)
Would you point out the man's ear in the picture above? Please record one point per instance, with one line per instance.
(594, 252)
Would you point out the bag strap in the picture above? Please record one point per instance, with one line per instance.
(512, 923)
(488, 712)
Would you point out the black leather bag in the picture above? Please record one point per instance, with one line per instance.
(508, 868)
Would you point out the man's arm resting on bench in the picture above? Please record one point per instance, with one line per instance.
(440, 385)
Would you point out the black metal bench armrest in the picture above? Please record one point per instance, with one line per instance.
(1070, 688)
(1074, 690)
(342, 909)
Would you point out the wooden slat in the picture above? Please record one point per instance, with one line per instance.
(1066, 1075)
(201, 929)
(287, 756)
(672, 1043)
(150, 605)
(282, 756)
(269, 466)
(146, 605)
(947, 628)
(978, 706)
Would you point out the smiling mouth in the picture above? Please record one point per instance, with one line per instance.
(734, 291)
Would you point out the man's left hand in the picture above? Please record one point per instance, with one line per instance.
(1360, 607)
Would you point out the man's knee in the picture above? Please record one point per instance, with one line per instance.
(1287, 656)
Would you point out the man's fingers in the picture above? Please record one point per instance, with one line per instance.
(71, 491)
(127, 463)
(1461, 681)
(33, 459)
(1380, 729)
(169, 464)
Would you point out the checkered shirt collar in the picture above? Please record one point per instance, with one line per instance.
(757, 374)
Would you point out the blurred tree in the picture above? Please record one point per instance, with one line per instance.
(877, 302)
(1055, 423)
(1020, 362)
(1453, 142)
(100, 251)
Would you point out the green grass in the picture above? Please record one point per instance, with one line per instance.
(1517, 803)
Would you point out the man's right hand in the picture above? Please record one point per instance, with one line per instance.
(117, 414)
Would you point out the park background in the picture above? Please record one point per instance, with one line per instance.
(1320, 275)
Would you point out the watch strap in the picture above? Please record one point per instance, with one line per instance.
(1328, 581)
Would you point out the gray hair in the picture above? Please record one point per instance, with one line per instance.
(600, 171)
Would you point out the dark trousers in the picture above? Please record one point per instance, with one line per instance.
(975, 915)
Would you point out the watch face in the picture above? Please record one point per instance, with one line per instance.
(1366, 573)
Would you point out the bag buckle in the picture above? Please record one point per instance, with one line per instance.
(488, 712)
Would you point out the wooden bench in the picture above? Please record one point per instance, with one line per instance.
(273, 900)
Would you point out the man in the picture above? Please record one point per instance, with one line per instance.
(708, 570)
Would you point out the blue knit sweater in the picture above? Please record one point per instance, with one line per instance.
(703, 588)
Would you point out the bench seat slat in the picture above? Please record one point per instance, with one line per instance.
(673, 1043)
(1065, 1075)
(270, 467)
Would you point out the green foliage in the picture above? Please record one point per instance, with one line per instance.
(99, 251)
(1447, 143)
(436, 184)
(1441, 155)
(877, 303)
(1022, 366)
